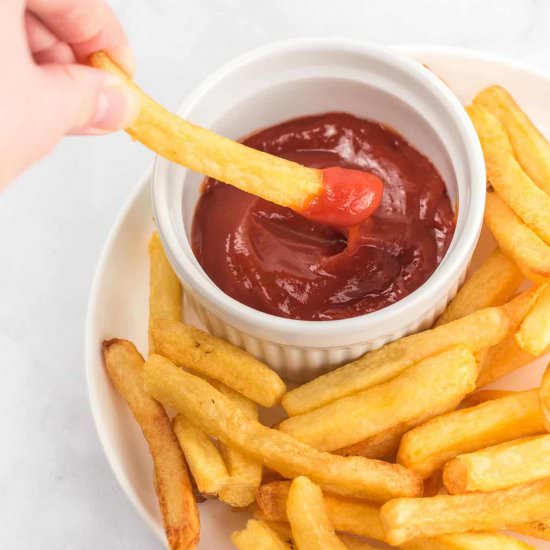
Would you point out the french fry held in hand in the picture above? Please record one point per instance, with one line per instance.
(499, 467)
(202, 456)
(175, 494)
(357, 517)
(506, 175)
(492, 284)
(215, 358)
(468, 541)
(217, 416)
(309, 522)
(429, 446)
(544, 397)
(165, 293)
(516, 240)
(258, 535)
(531, 148)
(405, 519)
(483, 396)
(437, 383)
(477, 331)
(533, 335)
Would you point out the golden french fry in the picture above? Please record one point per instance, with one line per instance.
(492, 284)
(405, 519)
(245, 473)
(427, 447)
(352, 516)
(499, 467)
(468, 541)
(202, 456)
(275, 179)
(544, 397)
(165, 293)
(215, 358)
(506, 175)
(175, 494)
(282, 528)
(516, 240)
(483, 396)
(436, 385)
(476, 331)
(534, 333)
(310, 525)
(382, 445)
(531, 148)
(258, 535)
(538, 529)
(218, 417)
(352, 543)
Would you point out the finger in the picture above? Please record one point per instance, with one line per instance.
(44, 45)
(87, 26)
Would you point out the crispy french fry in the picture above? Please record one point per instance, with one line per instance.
(538, 529)
(534, 333)
(382, 445)
(309, 522)
(499, 467)
(352, 543)
(427, 447)
(215, 358)
(492, 284)
(165, 293)
(175, 494)
(516, 240)
(245, 473)
(544, 397)
(476, 331)
(352, 516)
(468, 541)
(405, 519)
(483, 396)
(506, 175)
(437, 383)
(282, 528)
(531, 148)
(258, 535)
(202, 456)
(272, 178)
(218, 417)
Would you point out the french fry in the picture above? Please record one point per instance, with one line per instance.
(217, 416)
(437, 383)
(405, 519)
(282, 528)
(258, 535)
(483, 396)
(382, 445)
(538, 529)
(476, 331)
(352, 516)
(215, 358)
(544, 397)
(534, 333)
(175, 494)
(274, 179)
(429, 446)
(531, 148)
(468, 541)
(351, 543)
(165, 293)
(492, 284)
(506, 175)
(310, 525)
(202, 456)
(245, 473)
(499, 467)
(516, 240)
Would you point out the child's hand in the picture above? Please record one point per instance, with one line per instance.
(45, 93)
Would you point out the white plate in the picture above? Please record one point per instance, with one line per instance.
(118, 300)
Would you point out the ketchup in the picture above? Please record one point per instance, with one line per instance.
(280, 262)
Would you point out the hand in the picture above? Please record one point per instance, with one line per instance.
(45, 93)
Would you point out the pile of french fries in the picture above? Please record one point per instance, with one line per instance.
(402, 446)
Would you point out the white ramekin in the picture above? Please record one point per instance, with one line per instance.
(297, 78)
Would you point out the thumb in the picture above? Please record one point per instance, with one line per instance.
(82, 100)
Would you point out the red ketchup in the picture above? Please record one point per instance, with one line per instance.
(398, 216)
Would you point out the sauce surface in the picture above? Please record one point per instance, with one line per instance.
(274, 260)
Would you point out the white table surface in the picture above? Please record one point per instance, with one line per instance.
(56, 489)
